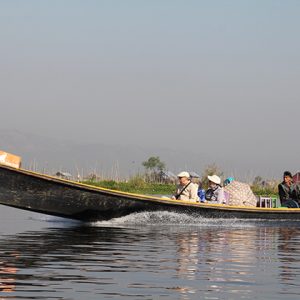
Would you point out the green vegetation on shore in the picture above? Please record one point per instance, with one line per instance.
(265, 191)
(135, 185)
(139, 186)
(153, 183)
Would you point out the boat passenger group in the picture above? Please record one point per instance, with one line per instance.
(232, 192)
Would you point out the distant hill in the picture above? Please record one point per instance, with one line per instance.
(110, 161)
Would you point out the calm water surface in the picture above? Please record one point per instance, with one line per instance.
(147, 256)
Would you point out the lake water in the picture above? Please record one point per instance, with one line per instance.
(147, 256)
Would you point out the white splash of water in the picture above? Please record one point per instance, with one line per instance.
(171, 218)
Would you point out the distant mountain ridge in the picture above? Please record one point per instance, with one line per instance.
(110, 161)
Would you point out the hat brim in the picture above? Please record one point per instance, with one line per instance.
(213, 179)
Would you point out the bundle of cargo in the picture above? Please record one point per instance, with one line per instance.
(10, 160)
(240, 194)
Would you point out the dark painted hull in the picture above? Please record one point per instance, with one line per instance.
(49, 195)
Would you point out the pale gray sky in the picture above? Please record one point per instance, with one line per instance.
(212, 77)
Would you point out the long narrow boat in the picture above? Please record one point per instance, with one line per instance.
(45, 194)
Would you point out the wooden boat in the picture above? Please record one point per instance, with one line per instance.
(45, 194)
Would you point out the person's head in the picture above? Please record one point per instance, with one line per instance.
(228, 181)
(183, 177)
(214, 180)
(287, 177)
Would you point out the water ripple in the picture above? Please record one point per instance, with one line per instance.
(152, 256)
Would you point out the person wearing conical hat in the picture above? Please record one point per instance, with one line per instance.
(215, 193)
(186, 190)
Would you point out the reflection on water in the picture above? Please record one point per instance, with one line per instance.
(7, 281)
(109, 261)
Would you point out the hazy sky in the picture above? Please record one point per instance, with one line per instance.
(217, 77)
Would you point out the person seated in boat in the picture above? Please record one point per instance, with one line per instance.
(287, 189)
(215, 193)
(227, 181)
(186, 190)
(201, 192)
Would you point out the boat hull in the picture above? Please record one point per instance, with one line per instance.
(53, 196)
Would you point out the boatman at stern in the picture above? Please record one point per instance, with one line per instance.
(186, 190)
(287, 189)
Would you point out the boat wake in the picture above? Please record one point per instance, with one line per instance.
(172, 218)
(166, 218)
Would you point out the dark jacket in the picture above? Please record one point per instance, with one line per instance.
(286, 192)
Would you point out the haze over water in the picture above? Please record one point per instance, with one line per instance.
(147, 256)
(217, 81)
